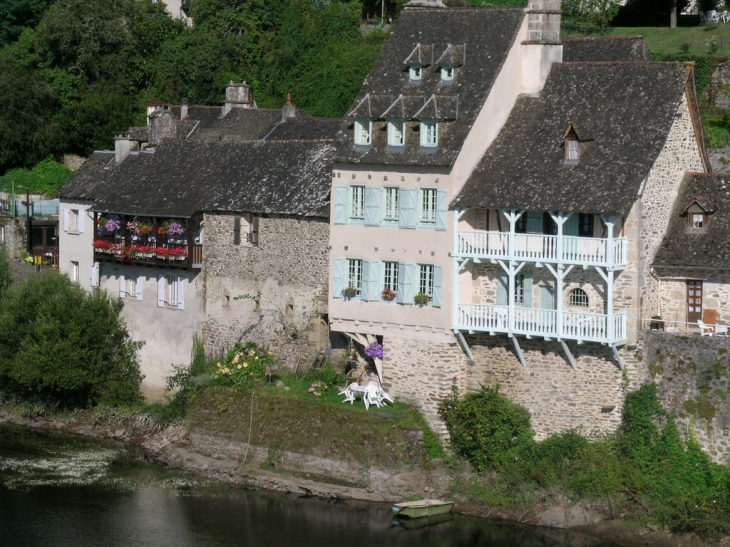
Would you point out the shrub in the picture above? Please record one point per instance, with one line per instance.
(243, 365)
(63, 346)
(486, 428)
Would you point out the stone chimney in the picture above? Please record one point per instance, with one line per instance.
(289, 110)
(163, 125)
(184, 108)
(426, 3)
(152, 107)
(236, 96)
(121, 147)
(542, 47)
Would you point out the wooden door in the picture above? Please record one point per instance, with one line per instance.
(694, 301)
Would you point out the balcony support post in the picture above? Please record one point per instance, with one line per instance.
(559, 274)
(610, 221)
(617, 355)
(518, 351)
(568, 354)
(560, 219)
(463, 344)
(458, 265)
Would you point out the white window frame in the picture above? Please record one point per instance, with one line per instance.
(447, 73)
(390, 275)
(394, 138)
(426, 279)
(356, 209)
(428, 206)
(519, 289)
(354, 274)
(391, 204)
(130, 287)
(363, 131)
(415, 73)
(429, 133)
(75, 271)
(171, 291)
(698, 221)
(571, 150)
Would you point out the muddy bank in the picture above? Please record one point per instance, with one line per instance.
(240, 464)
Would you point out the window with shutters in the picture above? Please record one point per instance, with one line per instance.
(428, 206)
(357, 203)
(245, 229)
(75, 272)
(171, 291)
(390, 276)
(429, 133)
(520, 289)
(392, 205)
(73, 221)
(425, 279)
(130, 287)
(354, 274)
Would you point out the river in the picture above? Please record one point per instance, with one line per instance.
(62, 491)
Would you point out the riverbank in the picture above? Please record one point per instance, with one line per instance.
(245, 465)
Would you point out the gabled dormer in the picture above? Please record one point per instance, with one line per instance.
(697, 212)
(451, 58)
(364, 114)
(572, 144)
(420, 58)
(437, 109)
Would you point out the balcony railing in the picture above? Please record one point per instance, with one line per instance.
(583, 327)
(150, 254)
(589, 251)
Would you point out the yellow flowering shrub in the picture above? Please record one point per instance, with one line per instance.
(243, 365)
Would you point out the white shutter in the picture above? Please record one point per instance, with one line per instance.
(122, 288)
(138, 288)
(437, 282)
(161, 290)
(341, 193)
(405, 283)
(442, 208)
(338, 277)
(180, 292)
(372, 205)
(370, 284)
(95, 274)
(66, 219)
(80, 221)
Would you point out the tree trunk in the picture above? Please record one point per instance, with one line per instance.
(673, 15)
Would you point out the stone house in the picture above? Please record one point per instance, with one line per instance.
(216, 226)
(510, 192)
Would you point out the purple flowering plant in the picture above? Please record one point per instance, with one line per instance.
(374, 350)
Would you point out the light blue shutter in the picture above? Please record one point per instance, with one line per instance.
(341, 194)
(547, 297)
(527, 286)
(372, 205)
(502, 286)
(371, 280)
(339, 277)
(437, 281)
(405, 283)
(408, 214)
(443, 204)
(534, 222)
(570, 228)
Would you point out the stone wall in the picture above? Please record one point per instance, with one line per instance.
(691, 375)
(559, 398)
(273, 292)
(673, 296)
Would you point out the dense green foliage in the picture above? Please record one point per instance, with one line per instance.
(84, 71)
(64, 346)
(645, 462)
(45, 178)
(6, 277)
(596, 13)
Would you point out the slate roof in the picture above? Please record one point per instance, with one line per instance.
(709, 248)
(238, 125)
(615, 48)
(181, 178)
(425, 35)
(624, 112)
(303, 129)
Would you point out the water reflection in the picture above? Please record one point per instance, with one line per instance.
(138, 505)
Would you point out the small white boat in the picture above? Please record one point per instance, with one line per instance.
(422, 508)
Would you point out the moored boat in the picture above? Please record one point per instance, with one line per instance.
(422, 508)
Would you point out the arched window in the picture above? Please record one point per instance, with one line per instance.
(578, 297)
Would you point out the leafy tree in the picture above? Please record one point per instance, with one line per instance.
(16, 15)
(45, 178)
(5, 273)
(62, 345)
(597, 13)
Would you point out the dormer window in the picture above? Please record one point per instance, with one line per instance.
(429, 133)
(447, 73)
(697, 221)
(415, 73)
(396, 133)
(571, 150)
(363, 132)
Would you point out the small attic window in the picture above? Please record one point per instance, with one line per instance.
(571, 150)
(363, 131)
(697, 221)
(447, 73)
(429, 133)
(414, 72)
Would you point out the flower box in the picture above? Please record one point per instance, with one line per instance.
(421, 299)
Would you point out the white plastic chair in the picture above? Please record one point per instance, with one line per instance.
(721, 330)
(705, 329)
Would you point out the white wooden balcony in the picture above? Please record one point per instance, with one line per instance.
(540, 323)
(583, 251)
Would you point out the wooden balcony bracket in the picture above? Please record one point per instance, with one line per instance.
(518, 351)
(617, 355)
(463, 344)
(568, 355)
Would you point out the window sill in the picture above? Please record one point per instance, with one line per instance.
(362, 147)
(395, 149)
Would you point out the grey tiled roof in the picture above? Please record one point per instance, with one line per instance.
(618, 48)
(624, 112)
(709, 248)
(181, 178)
(238, 125)
(487, 33)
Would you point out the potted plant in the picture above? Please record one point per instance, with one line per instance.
(388, 295)
(421, 299)
(349, 293)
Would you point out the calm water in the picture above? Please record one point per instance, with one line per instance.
(62, 491)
